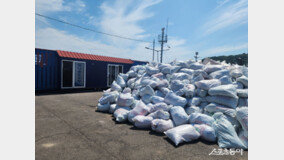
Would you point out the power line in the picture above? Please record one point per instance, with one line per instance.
(88, 29)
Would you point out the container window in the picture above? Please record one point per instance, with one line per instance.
(120, 69)
(79, 74)
(113, 71)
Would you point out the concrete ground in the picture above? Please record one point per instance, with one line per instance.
(68, 127)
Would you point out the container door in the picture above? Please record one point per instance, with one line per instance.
(79, 79)
(67, 71)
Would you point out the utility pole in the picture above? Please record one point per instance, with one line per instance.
(158, 56)
(162, 39)
(153, 50)
(196, 56)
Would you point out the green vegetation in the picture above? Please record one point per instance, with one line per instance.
(240, 59)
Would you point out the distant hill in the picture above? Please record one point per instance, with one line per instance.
(240, 59)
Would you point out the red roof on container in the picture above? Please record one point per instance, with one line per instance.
(76, 55)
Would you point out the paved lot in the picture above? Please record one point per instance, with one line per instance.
(68, 127)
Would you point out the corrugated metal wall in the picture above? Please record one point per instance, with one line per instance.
(46, 70)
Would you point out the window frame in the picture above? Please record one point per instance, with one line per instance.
(108, 74)
(73, 74)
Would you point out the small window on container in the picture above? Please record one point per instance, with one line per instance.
(37, 59)
(120, 69)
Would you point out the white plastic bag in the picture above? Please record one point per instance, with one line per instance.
(157, 99)
(197, 78)
(125, 100)
(126, 90)
(176, 85)
(172, 98)
(180, 76)
(131, 74)
(151, 70)
(238, 85)
(103, 107)
(115, 87)
(179, 115)
(200, 72)
(236, 73)
(160, 125)
(196, 66)
(124, 76)
(146, 98)
(158, 75)
(146, 90)
(214, 107)
(130, 83)
(243, 138)
(199, 118)
(112, 108)
(162, 83)
(109, 98)
(233, 120)
(242, 93)
(201, 92)
(212, 68)
(243, 102)
(242, 117)
(188, 90)
(160, 114)
(193, 109)
(194, 101)
(182, 133)
(120, 81)
(121, 113)
(228, 90)
(225, 80)
(226, 134)
(164, 90)
(140, 109)
(182, 64)
(143, 122)
(206, 132)
(187, 71)
(224, 100)
(243, 80)
(207, 84)
(219, 74)
(160, 106)
(148, 82)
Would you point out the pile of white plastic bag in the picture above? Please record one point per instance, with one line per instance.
(184, 100)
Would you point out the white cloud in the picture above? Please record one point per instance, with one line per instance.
(50, 38)
(122, 18)
(221, 3)
(117, 18)
(44, 6)
(179, 50)
(234, 14)
(224, 49)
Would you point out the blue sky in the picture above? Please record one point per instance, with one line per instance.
(211, 27)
